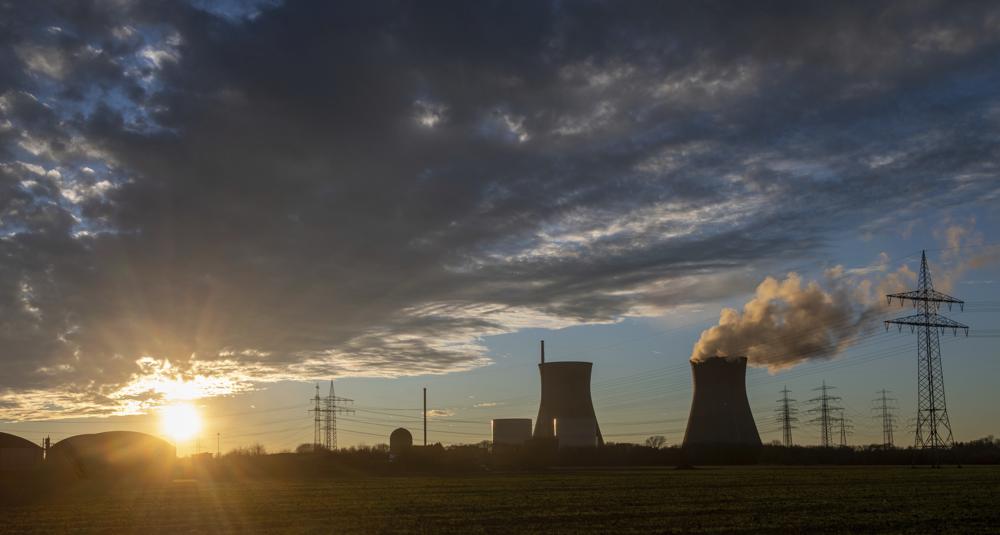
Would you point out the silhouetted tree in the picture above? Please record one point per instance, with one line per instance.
(656, 441)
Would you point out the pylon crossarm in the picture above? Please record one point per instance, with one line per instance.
(928, 320)
(925, 295)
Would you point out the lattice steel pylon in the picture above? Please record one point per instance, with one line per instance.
(933, 429)
(825, 409)
(325, 411)
(317, 411)
(884, 412)
(333, 407)
(786, 412)
(844, 423)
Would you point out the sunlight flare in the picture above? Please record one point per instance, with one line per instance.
(180, 422)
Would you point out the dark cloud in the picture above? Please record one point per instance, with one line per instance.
(267, 191)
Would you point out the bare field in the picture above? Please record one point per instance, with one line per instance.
(731, 500)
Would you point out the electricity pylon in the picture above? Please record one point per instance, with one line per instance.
(933, 427)
(845, 427)
(325, 411)
(786, 412)
(334, 406)
(883, 411)
(825, 410)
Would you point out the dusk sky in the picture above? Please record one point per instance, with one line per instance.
(224, 203)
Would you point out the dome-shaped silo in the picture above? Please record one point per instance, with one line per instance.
(566, 397)
(113, 454)
(720, 413)
(17, 453)
(400, 440)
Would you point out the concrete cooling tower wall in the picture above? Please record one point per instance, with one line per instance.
(720, 413)
(566, 397)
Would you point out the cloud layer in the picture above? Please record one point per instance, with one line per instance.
(264, 191)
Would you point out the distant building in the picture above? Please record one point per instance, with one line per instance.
(17, 453)
(113, 454)
(400, 440)
(511, 431)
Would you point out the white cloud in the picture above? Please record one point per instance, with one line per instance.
(45, 60)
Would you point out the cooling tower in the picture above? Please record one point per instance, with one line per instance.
(566, 397)
(720, 413)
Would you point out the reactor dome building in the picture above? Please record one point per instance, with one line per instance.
(566, 411)
(400, 440)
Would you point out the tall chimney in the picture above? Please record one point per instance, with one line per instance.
(543, 351)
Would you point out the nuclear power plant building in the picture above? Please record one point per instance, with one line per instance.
(720, 413)
(511, 431)
(566, 411)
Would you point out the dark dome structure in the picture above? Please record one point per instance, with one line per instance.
(113, 454)
(399, 441)
(17, 453)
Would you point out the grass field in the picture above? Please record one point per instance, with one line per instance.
(745, 500)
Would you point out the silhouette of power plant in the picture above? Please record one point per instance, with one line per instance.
(720, 423)
(720, 417)
(566, 411)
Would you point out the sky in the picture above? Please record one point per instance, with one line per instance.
(226, 203)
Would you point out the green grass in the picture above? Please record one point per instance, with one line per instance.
(745, 500)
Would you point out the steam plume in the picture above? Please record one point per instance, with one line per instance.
(786, 323)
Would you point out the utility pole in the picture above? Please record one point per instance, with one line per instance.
(824, 409)
(218, 445)
(786, 417)
(933, 430)
(425, 416)
(884, 411)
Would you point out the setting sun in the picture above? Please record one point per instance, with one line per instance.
(180, 422)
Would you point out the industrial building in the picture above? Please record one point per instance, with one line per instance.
(566, 398)
(511, 431)
(17, 453)
(113, 454)
(720, 413)
(400, 440)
